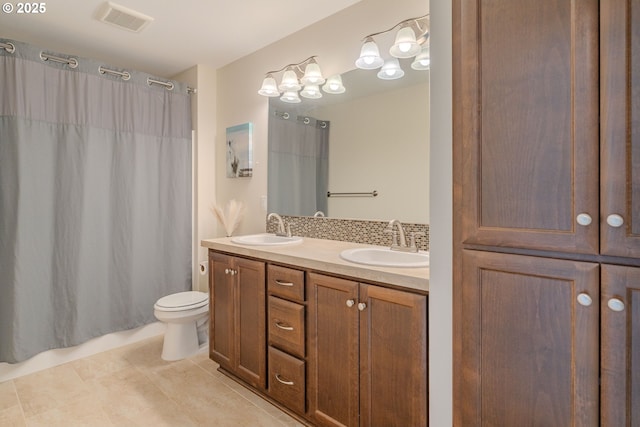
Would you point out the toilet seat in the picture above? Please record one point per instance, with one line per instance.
(182, 301)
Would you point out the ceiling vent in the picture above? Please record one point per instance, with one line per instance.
(123, 17)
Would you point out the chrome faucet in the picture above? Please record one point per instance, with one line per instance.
(281, 227)
(403, 240)
(399, 239)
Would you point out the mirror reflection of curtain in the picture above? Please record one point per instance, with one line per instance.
(298, 164)
(95, 201)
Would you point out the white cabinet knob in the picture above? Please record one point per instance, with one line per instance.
(350, 303)
(615, 304)
(226, 271)
(361, 306)
(615, 220)
(584, 299)
(583, 219)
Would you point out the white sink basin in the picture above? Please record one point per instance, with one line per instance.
(266, 239)
(383, 257)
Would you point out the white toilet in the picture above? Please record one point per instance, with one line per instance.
(183, 313)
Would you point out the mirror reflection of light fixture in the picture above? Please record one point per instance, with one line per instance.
(369, 56)
(293, 80)
(423, 59)
(406, 45)
(391, 70)
(334, 85)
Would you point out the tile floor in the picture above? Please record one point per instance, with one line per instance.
(133, 386)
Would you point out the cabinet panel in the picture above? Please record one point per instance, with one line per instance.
(286, 282)
(333, 351)
(238, 321)
(250, 320)
(287, 380)
(529, 116)
(221, 291)
(529, 349)
(393, 327)
(286, 326)
(620, 358)
(620, 122)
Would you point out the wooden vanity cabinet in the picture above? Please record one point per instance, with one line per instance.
(237, 326)
(367, 354)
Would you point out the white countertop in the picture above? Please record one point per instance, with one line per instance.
(324, 255)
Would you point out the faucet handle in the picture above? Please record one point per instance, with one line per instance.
(288, 226)
(394, 236)
(412, 238)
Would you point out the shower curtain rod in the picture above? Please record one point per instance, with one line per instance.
(73, 63)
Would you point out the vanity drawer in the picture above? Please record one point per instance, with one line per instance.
(287, 380)
(286, 325)
(285, 282)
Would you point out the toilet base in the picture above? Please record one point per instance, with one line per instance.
(180, 341)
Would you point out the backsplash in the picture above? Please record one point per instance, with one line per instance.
(348, 230)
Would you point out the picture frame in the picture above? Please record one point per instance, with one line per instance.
(239, 151)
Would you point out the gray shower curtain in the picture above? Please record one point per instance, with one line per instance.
(298, 164)
(95, 200)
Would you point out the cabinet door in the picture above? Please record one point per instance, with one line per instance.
(530, 350)
(250, 322)
(393, 358)
(332, 382)
(620, 335)
(620, 97)
(221, 293)
(527, 101)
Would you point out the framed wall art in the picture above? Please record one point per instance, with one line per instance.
(239, 151)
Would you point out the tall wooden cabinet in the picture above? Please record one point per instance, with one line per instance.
(546, 212)
(237, 327)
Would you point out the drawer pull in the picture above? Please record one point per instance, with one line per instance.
(584, 299)
(284, 381)
(281, 283)
(284, 326)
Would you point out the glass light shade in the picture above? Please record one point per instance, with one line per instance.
(311, 91)
(405, 45)
(291, 96)
(369, 56)
(269, 87)
(391, 70)
(422, 60)
(312, 75)
(334, 85)
(289, 81)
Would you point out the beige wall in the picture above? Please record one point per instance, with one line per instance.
(337, 41)
(380, 142)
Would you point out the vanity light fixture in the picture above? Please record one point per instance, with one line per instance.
(293, 79)
(406, 45)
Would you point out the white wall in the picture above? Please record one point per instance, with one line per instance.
(337, 42)
(204, 120)
(440, 228)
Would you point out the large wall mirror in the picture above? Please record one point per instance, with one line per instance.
(372, 138)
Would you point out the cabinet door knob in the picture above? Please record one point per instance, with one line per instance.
(583, 219)
(584, 299)
(615, 220)
(361, 306)
(226, 271)
(285, 382)
(350, 303)
(616, 304)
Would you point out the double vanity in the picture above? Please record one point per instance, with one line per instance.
(332, 332)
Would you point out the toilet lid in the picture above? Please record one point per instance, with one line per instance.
(183, 300)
